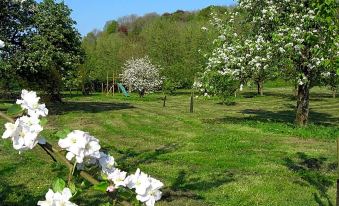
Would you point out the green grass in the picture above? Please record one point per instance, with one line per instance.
(249, 153)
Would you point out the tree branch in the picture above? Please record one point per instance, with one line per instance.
(56, 155)
(6, 117)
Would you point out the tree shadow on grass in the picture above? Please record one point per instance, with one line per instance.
(5, 101)
(185, 186)
(91, 197)
(314, 96)
(185, 183)
(287, 116)
(272, 94)
(14, 194)
(75, 94)
(313, 171)
(130, 160)
(88, 107)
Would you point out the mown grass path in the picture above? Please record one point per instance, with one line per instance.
(249, 153)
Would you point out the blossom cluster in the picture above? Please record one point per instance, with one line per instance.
(82, 149)
(80, 145)
(146, 187)
(24, 132)
(85, 149)
(57, 198)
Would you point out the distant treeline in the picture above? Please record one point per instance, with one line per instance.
(174, 41)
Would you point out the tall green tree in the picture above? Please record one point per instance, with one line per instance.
(16, 23)
(53, 48)
(177, 46)
(111, 27)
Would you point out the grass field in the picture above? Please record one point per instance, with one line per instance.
(249, 153)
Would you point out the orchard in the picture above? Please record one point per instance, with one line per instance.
(208, 105)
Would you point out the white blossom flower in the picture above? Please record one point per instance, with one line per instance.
(26, 135)
(110, 188)
(107, 163)
(147, 188)
(19, 1)
(152, 194)
(30, 101)
(118, 177)
(10, 130)
(222, 37)
(204, 28)
(139, 181)
(57, 198)
(197, 84)
(80, 145)
(2, 44)
(23, 133)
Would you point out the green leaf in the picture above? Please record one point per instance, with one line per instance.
(72, 187)
(15, 109)
(104, 176)
(43, 122)
(83, 184)
(58, 185)
(102, 186)
(105, 204)
(62, 134)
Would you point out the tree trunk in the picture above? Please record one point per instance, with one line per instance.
(55, 97)
(303, 99)
(142, 93)
(295, 91)
(129, 88)
(260, 85)
(334, 93)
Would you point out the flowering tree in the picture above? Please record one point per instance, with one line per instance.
(331, 79)
(212, 82)
(299, 37)
(309, 35)
(141, 75)
(82, 152)
(241, 51)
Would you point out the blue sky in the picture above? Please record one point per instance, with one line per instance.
(93, 14)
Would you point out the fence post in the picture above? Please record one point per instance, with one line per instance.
(107, 83)
(113, 82)
(191, 104)
(164, 104)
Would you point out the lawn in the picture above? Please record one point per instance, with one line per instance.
(247, 153)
